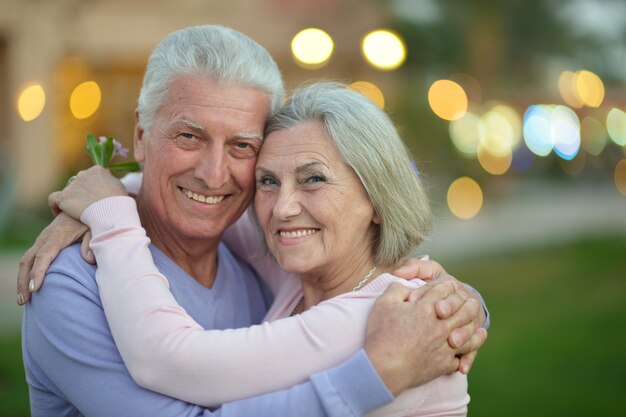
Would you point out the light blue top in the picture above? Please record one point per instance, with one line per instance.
(74, 369)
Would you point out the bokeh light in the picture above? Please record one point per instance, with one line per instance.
(85, 99)
(465, 198)
(549, 127)
(31, 102)
(312, 47)
(590, 88)
(581, 88)
(447, 99)
(466, 133)
(566, 131)
(620, 176)
(593, 136)
(503, 130)
(495, 164)
(370, 91)
(384, 49)
(538, 130)
(616, 126)
(568, 91)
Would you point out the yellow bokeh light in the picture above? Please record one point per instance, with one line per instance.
(370, 91)
(312, 47)
(31, 102)
(616, 126)
(85, 99)
(465, 198)
(495, 164)
(620, 176)
(384, 49)
(593, 136)
(590, 88)
(568, 90)
(466, 133)
(447, 99)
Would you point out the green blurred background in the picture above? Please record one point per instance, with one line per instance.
(544, 239)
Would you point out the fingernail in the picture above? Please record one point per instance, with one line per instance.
(20, 299)
(31, 285)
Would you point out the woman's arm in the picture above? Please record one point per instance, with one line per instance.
(166, 351)
(245, 240)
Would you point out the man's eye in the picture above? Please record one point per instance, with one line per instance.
(187, 135)
(243, 145)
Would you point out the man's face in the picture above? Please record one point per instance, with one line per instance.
(199, 157)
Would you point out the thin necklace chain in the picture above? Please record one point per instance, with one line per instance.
(364, 280)
(358, 287)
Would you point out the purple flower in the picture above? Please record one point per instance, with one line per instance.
(119, 149)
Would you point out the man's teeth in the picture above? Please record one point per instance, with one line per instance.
(203, 198)
(297, 233)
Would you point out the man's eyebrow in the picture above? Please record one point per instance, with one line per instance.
(250, 136)
(192, 125)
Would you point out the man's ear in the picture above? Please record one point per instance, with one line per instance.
(139, 140)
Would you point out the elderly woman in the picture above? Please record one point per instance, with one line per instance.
(339, 204)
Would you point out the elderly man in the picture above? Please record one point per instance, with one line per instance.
(206, 96)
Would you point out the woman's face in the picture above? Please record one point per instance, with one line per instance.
(313, 209)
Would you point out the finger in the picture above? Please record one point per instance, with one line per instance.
(449, 305)
(458, 337)
(43, 259)
(85, 251)
(474, 343)
(465, 315)
(23, 277)
(54, 200)
(418, 268)
(439, 290)
(395, 292)
(466, 361)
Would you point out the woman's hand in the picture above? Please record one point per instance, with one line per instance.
(87, 187)
(61, 233)
(422, 268)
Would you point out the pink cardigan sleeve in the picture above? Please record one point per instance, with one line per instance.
(166, 351)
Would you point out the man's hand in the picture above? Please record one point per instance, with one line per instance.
(408, 343)
(89, 186)
(61, 233)
(428, 270)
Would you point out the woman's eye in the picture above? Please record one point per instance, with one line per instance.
(315, 179)
(266, 181)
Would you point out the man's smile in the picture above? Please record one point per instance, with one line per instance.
(207, 199)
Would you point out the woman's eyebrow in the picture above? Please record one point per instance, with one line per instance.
(308, 166)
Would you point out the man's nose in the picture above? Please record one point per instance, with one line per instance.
(212, 168)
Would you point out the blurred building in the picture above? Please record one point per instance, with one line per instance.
(61, 44)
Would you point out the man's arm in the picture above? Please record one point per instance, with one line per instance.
(66, 338)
